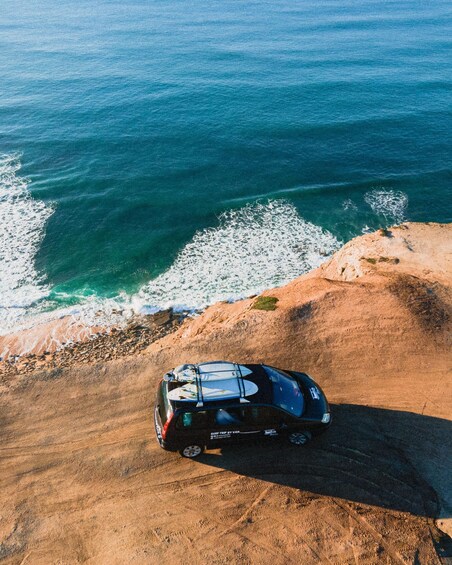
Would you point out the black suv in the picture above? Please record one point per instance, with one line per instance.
(210, 404)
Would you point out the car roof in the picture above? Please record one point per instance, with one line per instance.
(256, 375)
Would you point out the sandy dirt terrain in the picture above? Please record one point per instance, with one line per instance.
(83, 479)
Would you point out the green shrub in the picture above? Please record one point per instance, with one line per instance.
(265, 303)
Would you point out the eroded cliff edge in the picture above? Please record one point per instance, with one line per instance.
(373, 323)
(83, 478)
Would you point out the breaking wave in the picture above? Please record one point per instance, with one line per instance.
(391, 204)
(22, 225)
(256, 247)
(259, 246)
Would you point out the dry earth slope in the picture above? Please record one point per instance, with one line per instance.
(84, 481)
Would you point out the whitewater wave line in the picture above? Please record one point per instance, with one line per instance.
(22, 227)
(255, 247)
(252, 248)
(391, 204)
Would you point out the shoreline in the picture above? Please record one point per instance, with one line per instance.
(66, 341)
(86, 345)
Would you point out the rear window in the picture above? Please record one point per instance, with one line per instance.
(163, 404)
(286, 392)
(192, 420)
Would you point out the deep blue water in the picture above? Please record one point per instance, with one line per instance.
(138, 123)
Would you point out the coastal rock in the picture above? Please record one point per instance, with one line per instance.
(93, 346)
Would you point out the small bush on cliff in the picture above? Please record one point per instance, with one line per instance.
(265, 303)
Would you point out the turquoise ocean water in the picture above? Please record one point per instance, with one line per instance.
(172, 153)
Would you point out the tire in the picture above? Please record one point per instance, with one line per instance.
(191, 451)
(300, 438)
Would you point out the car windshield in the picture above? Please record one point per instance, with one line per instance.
(286, 392)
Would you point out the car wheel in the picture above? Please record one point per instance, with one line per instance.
(300, 438)
(191, 451)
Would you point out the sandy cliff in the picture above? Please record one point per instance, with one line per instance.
(83, 479)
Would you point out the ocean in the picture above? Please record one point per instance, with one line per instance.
(160, 153)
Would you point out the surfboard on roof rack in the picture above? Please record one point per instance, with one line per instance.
(215, 370)
(216, 390)
(217, 380)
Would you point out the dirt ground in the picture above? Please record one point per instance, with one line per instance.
(83, 479)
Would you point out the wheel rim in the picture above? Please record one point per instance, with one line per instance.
(192, 451)
(298, 439)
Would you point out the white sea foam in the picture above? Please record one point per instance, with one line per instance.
(253, 248)
(349, 205)
(391, 204)
(22, 224)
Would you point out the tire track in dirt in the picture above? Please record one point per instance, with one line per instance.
(376, 535)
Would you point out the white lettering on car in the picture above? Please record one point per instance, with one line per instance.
(230, 433)
(222, 435)
(314, 393)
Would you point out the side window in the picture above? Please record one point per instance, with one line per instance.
(266, 416)
(192, 420)
(224, 417)
(253, 416)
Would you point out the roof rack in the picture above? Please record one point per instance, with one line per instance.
(240, 383)
(198, 387)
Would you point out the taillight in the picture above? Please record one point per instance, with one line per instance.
(166, 426)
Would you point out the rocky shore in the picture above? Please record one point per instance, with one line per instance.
(139, 333)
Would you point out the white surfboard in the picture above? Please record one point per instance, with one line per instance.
(213, 390)
(214, 371)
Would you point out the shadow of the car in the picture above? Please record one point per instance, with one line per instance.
(380, 457)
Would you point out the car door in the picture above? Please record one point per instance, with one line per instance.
(192, 427)
(270, 421)
(290, 423)
(242, 423)
(233, 424)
